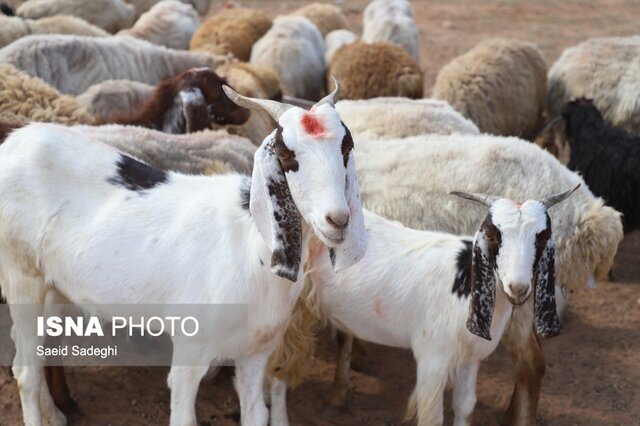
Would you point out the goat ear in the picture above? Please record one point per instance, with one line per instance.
(352, 249)
(194, 109)
(274, 211)
(547, 321)
(483, 289)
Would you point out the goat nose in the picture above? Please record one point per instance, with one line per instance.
(518, 290)
(338, 219)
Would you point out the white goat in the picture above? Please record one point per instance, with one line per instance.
(84, 221)
(441, 295)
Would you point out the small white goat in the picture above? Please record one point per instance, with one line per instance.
(84, 221)
(448, 298)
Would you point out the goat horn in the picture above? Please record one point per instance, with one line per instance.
(332, 97)
(275, 109)
(485, 199)
(551, 200)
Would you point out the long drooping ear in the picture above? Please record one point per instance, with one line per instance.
(354, 246)
(194, 109)
(547, 321)
(274, 211)
(483, 288)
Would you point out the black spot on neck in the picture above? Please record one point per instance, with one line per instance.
(135, 175)
(245, 193)
(462, 281)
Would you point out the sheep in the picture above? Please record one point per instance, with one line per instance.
(206, 152)
(447, 298)
(169, 23)
(371, 70)
(231, 31)
(73, 63)
(391, 21)
(141, 6)
(294, 48)
(610, 79)
(110, 15)
(7, 10)
(14, 28)
(326, 17)
(335, 40)
(258, 216)
(391, 118)
(408, 179)
(509, 76)
(26, 98)
(104, 99)
(189, 102)
(254, 82)
(607, 158)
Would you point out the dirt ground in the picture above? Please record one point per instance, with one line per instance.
(593, 369)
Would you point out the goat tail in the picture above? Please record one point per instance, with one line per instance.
(7, 10)
(291, 361)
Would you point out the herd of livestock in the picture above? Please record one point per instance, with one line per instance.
(153, 156)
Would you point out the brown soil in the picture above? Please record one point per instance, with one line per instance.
(593, 369)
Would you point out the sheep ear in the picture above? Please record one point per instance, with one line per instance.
(274, 211)
(194, 109)
(352, 249)
(483, 289)
(547, 321)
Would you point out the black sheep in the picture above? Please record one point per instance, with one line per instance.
(607, 158)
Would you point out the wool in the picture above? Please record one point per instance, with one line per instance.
(326, 17)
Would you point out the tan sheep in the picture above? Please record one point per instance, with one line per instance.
(13, 28)
(326, 17)
(26, 98)
(141, 6)
(110, 15)
(500, 85)
(104, 99)
(373, 70)
(231, 31)
(256, 82)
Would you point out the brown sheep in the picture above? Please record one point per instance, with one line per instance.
(373, 70)
(231, 31)
(500, 85)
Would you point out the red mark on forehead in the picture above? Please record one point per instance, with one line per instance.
(518, 205)
(312, 125)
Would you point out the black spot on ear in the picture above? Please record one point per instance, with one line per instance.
(286, 156)
(245, 193)
(462, 281)
(347, 144)
(136, 175)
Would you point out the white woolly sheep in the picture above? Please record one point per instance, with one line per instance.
(13, 28)
(26, 98)
(327, 17)
(371, 70)
(394, 184)
(612, 79)
(390, 118)
(169, 23)
(446, 297)
(233, 31)
(110, 15)
(105, 99)
(245, 211)
(335, 40)
(510, 76)
(141, 6)
(294, 48)
(73, 63)
(391, 21)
